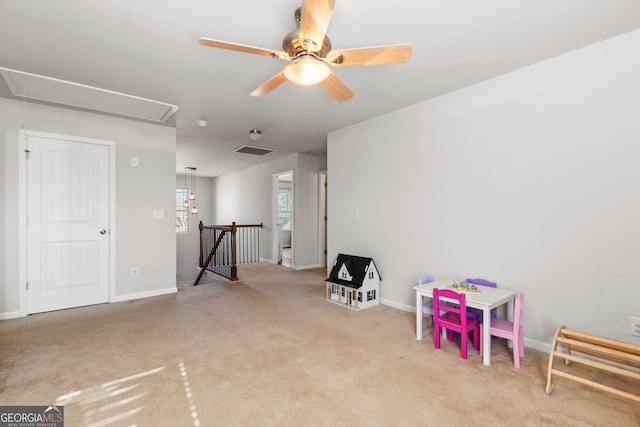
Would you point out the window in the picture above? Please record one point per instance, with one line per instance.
(284, 208)
(182, 212)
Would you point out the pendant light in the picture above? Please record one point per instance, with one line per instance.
(192, 195)
(186, 198)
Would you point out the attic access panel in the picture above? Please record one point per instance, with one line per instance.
(62, 92)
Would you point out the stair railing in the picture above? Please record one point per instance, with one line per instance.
(227, 246)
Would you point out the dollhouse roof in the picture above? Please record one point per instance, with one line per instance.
(356, 266)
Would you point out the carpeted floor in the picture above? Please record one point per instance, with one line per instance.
(269, 350)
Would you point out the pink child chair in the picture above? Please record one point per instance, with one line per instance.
(510, 330)
(454, 318)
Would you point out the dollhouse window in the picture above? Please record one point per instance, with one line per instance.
(371, 273)
(371, 295)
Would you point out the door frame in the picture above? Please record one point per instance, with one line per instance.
(23, 208)
(322, 223)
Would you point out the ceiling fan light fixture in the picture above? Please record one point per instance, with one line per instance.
(306, 70)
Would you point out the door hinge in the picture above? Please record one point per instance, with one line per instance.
(27, 285)
(27, 153)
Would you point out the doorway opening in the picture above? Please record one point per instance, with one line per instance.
(284, 201)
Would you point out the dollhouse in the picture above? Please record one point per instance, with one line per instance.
(354, 282)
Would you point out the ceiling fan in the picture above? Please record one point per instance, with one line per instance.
(308, 51)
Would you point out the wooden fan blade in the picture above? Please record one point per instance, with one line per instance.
(314, 21)
(395, 54)
(243, 48)
(336, 88)
(267, 87)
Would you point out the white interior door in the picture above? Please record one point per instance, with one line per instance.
(68, 233)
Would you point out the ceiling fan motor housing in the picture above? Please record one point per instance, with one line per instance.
(294, 47)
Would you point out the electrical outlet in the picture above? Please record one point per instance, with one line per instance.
(635, 326)
(134, 162)
(158, 214)
(135, 272)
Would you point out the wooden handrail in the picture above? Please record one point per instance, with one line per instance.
(231, 225)
(213, 251)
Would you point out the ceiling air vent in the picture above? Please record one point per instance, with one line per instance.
(48, 89)
(247, 149)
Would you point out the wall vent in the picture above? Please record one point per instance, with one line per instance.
(247, 149)
(62, 92)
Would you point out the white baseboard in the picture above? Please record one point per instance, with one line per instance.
(305, 267)
(119, 298)
(155, 293)
(399, 306)
(11, 315)
(293, 267)
(536, 345)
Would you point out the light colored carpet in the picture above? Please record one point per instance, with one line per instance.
(269, 350)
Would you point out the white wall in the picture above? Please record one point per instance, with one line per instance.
(140, 241)
(188, 244)
(305, 211)
(246, 197)
(530, 179)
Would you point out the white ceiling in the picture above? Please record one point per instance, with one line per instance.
(149, 49)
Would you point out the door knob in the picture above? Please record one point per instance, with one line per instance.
(103, 231)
